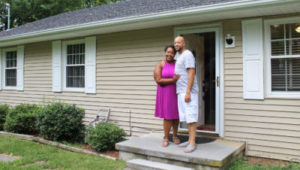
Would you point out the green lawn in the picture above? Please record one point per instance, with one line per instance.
(50, 157)
(242, 164)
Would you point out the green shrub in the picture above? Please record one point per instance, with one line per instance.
(104, 136)
(3, 112)
(61, 122)
(22, 119)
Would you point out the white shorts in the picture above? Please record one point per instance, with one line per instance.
(188, 112)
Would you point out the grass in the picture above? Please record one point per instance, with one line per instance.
(49, 157)
(242, 164)
(35, 156)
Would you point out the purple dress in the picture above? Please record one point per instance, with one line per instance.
(166, 97)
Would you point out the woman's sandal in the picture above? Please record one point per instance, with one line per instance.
(165, 143)
(176, 140)
(189, 149)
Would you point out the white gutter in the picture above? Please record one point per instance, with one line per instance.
(150, 17)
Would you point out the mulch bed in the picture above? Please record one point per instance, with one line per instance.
(112, 153)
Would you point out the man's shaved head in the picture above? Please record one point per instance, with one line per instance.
(179, 44)
(180, 38)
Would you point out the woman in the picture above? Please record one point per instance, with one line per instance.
(166, 98)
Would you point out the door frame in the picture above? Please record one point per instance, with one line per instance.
(217, 28)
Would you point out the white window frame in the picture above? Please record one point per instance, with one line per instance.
(64, 60)
(270, 93)
(4, 51)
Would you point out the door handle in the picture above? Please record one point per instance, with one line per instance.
(218, 81)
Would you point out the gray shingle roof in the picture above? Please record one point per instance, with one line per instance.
(125, 8)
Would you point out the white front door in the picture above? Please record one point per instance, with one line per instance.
(205, 43)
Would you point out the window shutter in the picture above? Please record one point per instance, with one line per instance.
(0, 69)
(90, 64)
(253, 59)
(56, 66)
(20, 68)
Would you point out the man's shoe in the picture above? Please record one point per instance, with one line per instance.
(190, 148)
(184, 144)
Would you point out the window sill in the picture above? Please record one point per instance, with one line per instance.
(74, 89)
(283, 95)
(10, 88)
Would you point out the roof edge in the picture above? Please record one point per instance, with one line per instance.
(148, 17)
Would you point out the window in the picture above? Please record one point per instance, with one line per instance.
(11, 69)
(283, 38)
(75, 64)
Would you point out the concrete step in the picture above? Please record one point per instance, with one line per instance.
(142, 164)
(213, 155)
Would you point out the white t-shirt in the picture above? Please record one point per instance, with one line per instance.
(184, 61)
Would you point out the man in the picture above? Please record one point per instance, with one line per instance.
(187, 91)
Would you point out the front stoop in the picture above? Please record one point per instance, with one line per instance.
(216, 155)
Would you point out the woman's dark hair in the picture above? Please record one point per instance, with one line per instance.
(170, 46)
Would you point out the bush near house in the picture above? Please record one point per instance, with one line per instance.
(104, 136)
(22, 119)
(61, 122)
(3, 112)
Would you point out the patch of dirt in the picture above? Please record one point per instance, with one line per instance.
(88, 147)
(265, 162)
(112, 153)
(8, 158)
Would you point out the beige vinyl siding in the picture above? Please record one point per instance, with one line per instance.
(271, 127)
(125, 63)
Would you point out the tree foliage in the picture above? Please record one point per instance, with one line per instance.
(25, 11)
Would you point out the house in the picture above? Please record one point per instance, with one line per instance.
(247, 54)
